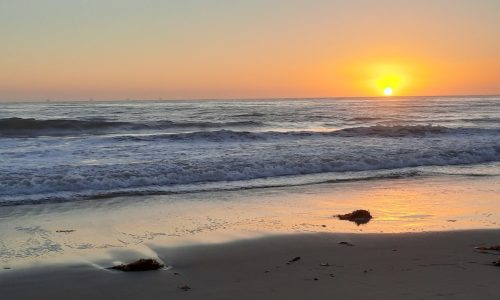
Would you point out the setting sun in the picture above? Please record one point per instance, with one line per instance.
(388, 91)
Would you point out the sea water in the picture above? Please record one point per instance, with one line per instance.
(74, 151)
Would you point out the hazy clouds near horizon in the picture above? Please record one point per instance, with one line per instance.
(119, 49)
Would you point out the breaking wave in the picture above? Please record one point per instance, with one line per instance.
(284, 181)
(170, 173)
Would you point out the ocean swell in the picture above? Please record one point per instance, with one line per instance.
(381, 131)
(14, 127)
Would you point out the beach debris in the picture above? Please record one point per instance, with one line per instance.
(359, 216)
(451, 220)
(496, 263)
(315, 278)
(346, 244)
(139, 265)
(175, 273)
(293, 260)
(323, 225)
(65, 231)
(331, 275)
(184, 287)
(324, 264)
(267, 271)
(6, 268)
(494, 248)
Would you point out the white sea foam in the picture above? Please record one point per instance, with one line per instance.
(148, 176)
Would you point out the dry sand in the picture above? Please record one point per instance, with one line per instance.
(441, 265)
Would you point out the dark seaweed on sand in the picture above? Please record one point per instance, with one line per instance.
(139, 265)
(359, 216)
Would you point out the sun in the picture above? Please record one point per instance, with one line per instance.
(388, 91)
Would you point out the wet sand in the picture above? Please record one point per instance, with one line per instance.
(236, 244)
(441, 265)
(91, 230)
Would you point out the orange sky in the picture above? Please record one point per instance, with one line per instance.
(117, 49)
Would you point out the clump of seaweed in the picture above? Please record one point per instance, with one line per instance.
(494, 248)
(139, 265)
(359, 216)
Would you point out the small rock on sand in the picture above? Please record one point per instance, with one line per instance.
(346, 244)
(293, 260)
(494, 248)
(184, 287)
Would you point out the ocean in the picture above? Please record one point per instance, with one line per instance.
(76, 151)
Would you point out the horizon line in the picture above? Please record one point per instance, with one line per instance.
(252, 98)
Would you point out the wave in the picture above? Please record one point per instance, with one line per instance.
(217, 131)
(449, 120)
(481, 120)
(172, 172)
(33, 127)
(364, 119)
(277, 182)
(285, 181)
(371, 131)
(401, 130)
(12, 124)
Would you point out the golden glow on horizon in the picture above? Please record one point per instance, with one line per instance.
(390, 77)
(385, 76)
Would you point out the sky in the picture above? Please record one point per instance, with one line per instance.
(186, 49)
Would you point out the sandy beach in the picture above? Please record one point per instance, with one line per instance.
(237, 244)
(90, 231)
(367, 266)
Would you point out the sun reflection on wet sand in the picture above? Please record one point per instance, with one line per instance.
(92, 229)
